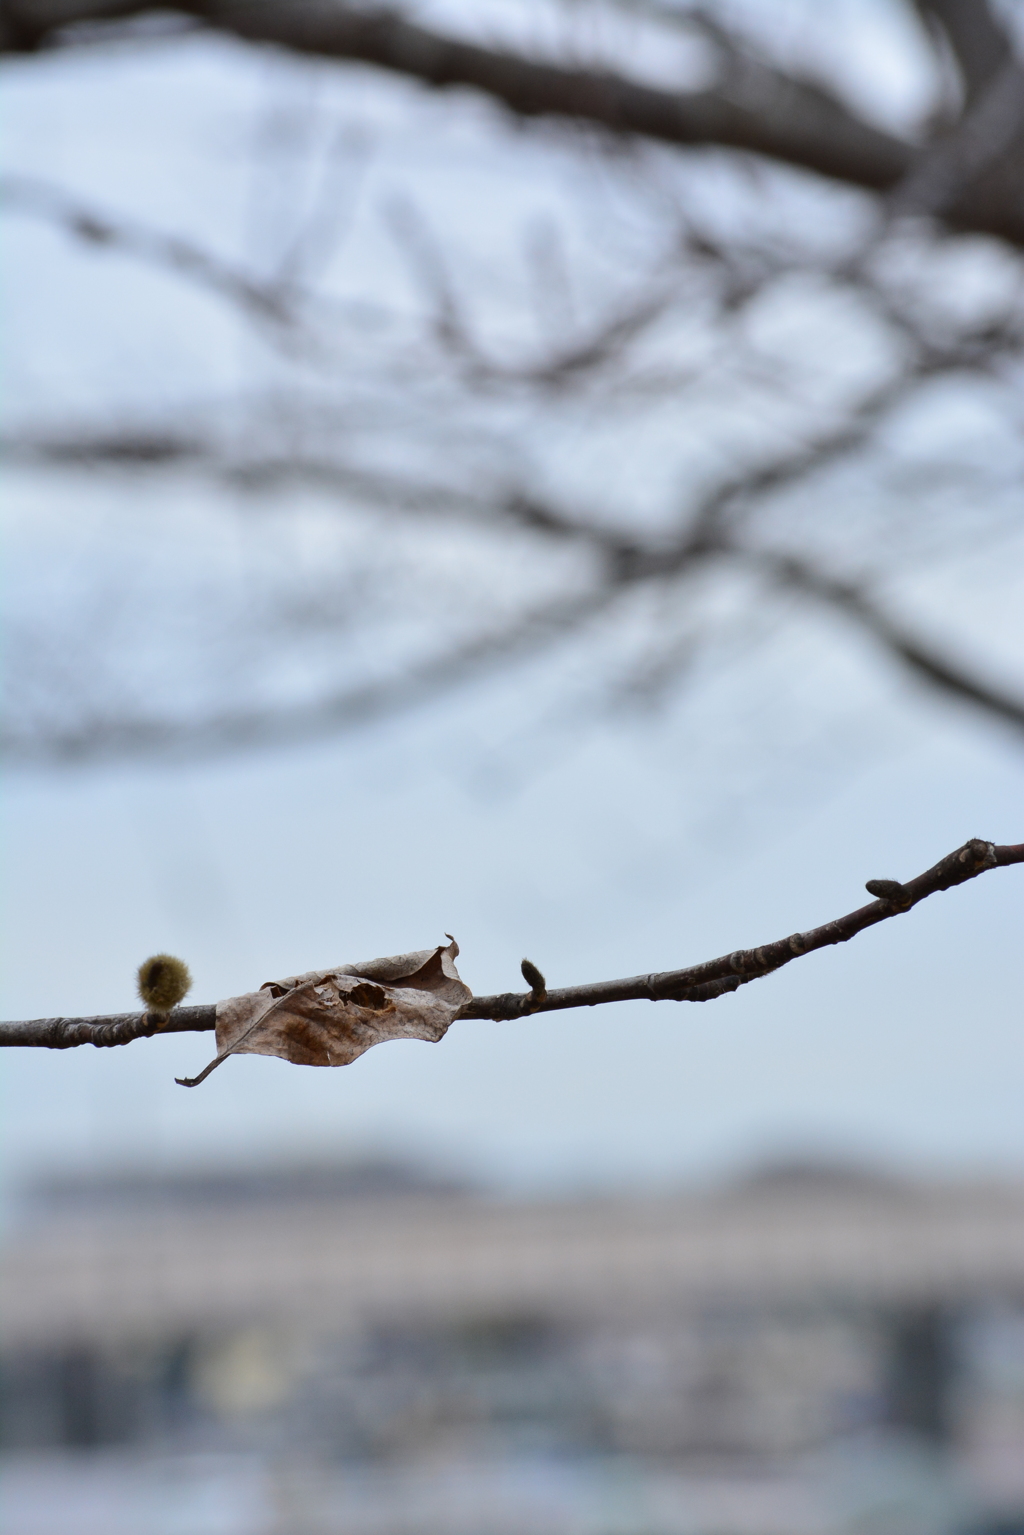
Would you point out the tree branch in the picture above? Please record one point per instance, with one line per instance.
(629, 563)
(107, 1029)
(696, 983)
(264, 301)
(979, 42)
(103, 737)
(790, 121)
(761, 110)
(926, 663)
(952, 165)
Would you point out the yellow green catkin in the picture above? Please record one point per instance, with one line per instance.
(163, 981)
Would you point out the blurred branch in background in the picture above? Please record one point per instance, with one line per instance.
(759, 354)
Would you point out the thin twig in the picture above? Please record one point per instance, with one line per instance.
(713, 977)
(264, 301)
(697, 983)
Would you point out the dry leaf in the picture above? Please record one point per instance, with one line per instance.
(329, 1017)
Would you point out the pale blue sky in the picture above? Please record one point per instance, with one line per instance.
(905, 1044)
(598, 847)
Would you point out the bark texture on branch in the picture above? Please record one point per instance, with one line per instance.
(696, 983)
(107, 1029)
(771, 114)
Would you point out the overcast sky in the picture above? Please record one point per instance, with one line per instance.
(904, 1045)
(598, 847)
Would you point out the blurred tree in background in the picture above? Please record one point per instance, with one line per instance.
(644, 347)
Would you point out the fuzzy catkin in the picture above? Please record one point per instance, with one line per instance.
(163, 981)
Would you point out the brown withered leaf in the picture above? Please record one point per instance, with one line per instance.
(329, 1017)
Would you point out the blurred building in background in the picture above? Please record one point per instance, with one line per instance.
(810, 1349)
